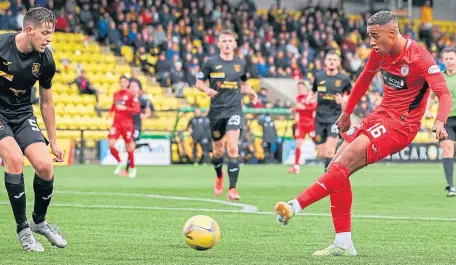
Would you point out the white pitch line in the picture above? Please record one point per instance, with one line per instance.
(244, 207)
(97, 206)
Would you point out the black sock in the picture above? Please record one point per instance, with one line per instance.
(218, 165)
(128, 165)
(43, 193)
(448, 166)
(327, 162)
(14, 184)
(233, 171)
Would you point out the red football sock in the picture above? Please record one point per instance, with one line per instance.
(115, 153)
(334, 179)
(297, 155)
(131, 158)
(341, 202)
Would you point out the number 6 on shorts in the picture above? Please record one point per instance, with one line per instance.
(377, 130)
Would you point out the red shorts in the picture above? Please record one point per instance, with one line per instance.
(117, 131)
(387, 135)
(302, 130)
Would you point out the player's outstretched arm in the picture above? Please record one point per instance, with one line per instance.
(431, 73)
(359, 90)
(48, 114)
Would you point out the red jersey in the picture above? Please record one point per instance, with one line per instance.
(407, 79)
(306, 115)
(128, 99)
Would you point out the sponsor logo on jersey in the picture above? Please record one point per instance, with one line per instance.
(394, 81)
(338, 83)
(434, 69)
(405, 70)
(219, 67)
(35, 68)
(322, 82)
(237, 68)
(217, 75)
(229, 85)
(17, 92)
(7, 63)
(321, 88)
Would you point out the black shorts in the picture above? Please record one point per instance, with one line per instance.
(137, 133)
(222, 122)
(24, 129)
(325, 130)
(450, 127)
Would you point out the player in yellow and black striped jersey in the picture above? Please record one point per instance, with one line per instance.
(25, 59)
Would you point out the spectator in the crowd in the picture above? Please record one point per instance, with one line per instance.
(178, 80)
(163, 69)
(84, 85)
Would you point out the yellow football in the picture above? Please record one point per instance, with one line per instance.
(201, 232)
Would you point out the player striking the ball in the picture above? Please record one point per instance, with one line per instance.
(25, 59)
(408, 70)
(304, 123)
(331, 87)
(228, 81)
(125, 105)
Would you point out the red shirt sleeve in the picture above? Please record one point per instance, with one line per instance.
(363, 82)
(113, 106)
(434, 77)
(134, 107)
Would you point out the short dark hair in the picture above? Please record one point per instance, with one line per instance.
(38, 15)
(382, 18)
(449, 49)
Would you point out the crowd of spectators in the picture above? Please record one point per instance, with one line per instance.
(182, 34)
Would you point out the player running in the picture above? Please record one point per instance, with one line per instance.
(305, 123)
(228, 80)
(331, 87)
(24, 59)
(145, 112)
(125, 105)
(449, 60)
(408, 70)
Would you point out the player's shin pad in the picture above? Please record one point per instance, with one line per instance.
(233, 171)
(43, 194)
(14, 184)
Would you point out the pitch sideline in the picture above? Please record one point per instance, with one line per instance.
(245, 208)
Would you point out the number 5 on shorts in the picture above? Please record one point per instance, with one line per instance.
(377, 130)
(33, 125)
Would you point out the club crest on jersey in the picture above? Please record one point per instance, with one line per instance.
(338, 83)
(405, 70)
(35, 68)
(237, 68)
(216, 134)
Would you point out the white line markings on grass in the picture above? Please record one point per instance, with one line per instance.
(245, 208)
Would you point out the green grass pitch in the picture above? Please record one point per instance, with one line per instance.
(401, 216)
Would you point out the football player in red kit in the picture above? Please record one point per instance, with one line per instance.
(409, 72)
(124, 106)
(305, 123)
